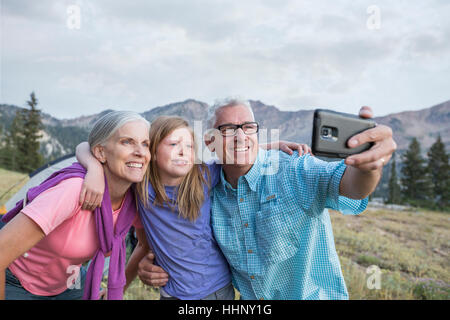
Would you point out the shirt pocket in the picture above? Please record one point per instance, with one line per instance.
(278, 228)
(226, 235)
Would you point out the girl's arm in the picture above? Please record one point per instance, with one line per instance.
(16, 237)
(141, 250)
(91, 195)
(287, 147)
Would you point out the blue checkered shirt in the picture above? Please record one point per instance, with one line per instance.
(275, 231)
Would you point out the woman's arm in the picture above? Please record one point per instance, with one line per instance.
(141, 250)
(16, 237)
(91, 195)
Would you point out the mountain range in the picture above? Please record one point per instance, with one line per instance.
(60, 137)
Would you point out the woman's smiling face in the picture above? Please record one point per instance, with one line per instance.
(126, 153)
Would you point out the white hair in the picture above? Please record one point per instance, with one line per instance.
(225, 103)
(108, 124)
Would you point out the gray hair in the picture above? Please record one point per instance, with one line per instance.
(224, 103)
(108, 124)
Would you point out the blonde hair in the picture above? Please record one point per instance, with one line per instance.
(190, 192)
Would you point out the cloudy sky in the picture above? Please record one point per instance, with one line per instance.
(81, 57)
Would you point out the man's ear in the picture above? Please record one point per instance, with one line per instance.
(209, 139)
(99, 153)
(209, 143)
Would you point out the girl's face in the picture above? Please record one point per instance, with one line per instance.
(175, 156)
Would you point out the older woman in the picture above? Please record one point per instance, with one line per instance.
(45, 243)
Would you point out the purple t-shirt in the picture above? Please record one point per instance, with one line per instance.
(186, 250)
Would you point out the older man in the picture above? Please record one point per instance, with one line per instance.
(269, 210)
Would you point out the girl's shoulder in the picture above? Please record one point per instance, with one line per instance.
(214, 169)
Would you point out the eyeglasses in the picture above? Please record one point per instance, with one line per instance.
(229, 129)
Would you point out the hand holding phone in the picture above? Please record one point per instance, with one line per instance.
(332, 131)
(380, 149)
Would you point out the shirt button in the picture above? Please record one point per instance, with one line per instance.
(241, 199)
(246, 225)
(250, 251)
(261, 298)
(252, 277)
(25, 255)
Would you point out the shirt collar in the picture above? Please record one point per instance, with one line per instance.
(224, 183)
(252, 175)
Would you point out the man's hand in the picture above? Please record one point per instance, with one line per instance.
(380, 153)
(150, 274)
(364, 172)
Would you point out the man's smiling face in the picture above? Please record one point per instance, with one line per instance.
(240, 149)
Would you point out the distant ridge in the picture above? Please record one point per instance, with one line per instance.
(61, 136)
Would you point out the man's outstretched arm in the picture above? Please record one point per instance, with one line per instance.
(364, 170)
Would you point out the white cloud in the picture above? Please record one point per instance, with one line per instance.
(291, 54)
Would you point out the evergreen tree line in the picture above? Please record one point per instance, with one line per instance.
(19, 146)
(424, 182)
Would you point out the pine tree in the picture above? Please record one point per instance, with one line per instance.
(439, 169)
(17, 142)
(394, 188)
(24, 135)
(416, 184)
(3, 143)
(32, 132)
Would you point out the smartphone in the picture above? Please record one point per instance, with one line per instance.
(332, 130)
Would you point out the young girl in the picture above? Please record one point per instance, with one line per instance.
(175, 211)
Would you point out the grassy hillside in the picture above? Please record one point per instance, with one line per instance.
(411, 248)
(10, 182)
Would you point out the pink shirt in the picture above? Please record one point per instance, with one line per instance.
(71, 239)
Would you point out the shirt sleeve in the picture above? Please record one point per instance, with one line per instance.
(55, 205)
(318, 186)
(340, 203)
